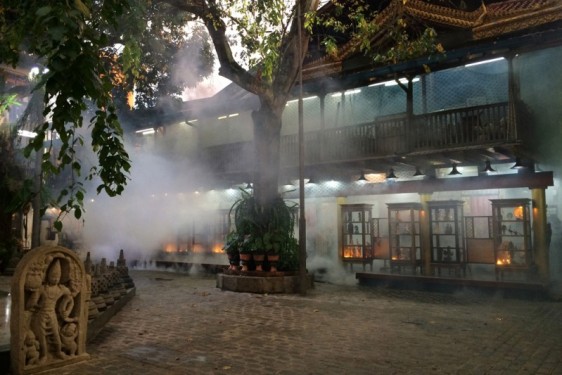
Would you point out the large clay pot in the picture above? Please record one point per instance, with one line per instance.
(233, 261)
(258, 260)
(245, 260)
(273, 259)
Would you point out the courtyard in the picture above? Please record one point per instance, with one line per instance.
(182, 324)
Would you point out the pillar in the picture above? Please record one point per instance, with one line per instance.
(540, 247)
(339, 223)
(425, 240)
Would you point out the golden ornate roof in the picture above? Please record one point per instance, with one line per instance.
(488, 21)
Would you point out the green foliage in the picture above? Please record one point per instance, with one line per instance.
(260, 228)
(289, 256)
(233, 243)
(407, 46)
(261, 28)
(353, 22)
(93, 51)
(68, 38)
(346, 20)
(158, 57)
(6, 101)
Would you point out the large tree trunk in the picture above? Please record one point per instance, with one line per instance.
(267, 136)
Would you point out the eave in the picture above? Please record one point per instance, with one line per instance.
(538, 180)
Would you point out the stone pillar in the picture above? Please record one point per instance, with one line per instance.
(540, 247)
(49, 316)
(425, 240)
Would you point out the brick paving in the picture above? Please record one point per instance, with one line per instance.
(182, 324)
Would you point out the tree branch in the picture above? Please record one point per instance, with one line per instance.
(293, 50)
(210, 14)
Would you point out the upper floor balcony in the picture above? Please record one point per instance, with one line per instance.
(474, 127)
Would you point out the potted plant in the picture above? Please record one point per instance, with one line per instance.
(264, 230)
(232, 249)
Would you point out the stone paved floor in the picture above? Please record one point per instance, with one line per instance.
(180, 324)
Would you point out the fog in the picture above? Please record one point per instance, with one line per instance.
(159, 202)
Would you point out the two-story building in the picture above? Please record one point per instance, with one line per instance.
(445, 167)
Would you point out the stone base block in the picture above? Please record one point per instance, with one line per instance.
(281, 283)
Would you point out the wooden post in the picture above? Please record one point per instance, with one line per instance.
(540, 247)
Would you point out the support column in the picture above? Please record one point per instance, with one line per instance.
(425, 240)
(339, 223)
(539, 234)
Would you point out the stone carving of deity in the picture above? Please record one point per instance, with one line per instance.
(44, 321)
(49, 315)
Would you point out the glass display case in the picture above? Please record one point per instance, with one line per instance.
(512, 234)
(404, 237)
(448, 250)
(356, 234)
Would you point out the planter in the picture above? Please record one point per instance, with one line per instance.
(233, 261)
(258, 260)
(245, 259)
(273, 259)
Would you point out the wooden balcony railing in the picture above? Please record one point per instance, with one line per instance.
(462, 127)
(456, 128)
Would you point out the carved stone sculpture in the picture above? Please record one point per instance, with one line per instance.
(92, 308)
(49, 310)
(124, 271)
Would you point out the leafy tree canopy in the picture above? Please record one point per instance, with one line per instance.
(94, 52)
(92, 47)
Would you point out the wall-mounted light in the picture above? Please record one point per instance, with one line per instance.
(249, 186)
(362, 177)
(488, 168)
(391, 175)
(454, 171)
